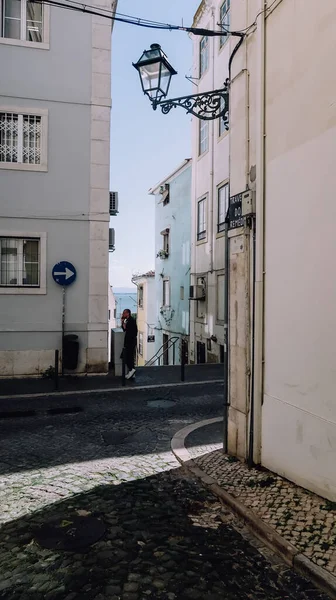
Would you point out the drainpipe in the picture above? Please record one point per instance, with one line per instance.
(254, 451)
(212, 172)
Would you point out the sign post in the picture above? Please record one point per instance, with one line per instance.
(64, 274)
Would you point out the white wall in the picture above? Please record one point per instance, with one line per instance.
(299, 412)
(68, 203)
(146, 316)
(112, 322)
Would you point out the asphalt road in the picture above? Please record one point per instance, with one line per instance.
(157, 533)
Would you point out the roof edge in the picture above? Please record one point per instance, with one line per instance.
(155, 189)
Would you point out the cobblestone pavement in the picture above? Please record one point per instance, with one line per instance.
(165, 538)
(304, 519)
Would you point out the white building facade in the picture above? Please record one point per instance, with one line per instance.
(146, 316)
(172, 268)
(210, 190)
(282, 395)
(54, 183)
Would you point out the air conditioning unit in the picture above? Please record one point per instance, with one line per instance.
(114, 201)
(111, 240)
(197, 292)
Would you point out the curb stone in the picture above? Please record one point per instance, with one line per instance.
(289, 553)
(107, 390)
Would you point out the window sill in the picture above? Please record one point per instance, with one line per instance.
(23, 167)
(24, 43)
(20, 291)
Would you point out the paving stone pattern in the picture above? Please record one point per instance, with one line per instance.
(166, 537)
(304, 519)
(204, 440)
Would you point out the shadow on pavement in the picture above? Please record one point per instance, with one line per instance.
(164, 539)
(103, 430)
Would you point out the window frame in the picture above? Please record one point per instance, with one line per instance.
(166, 242)
(203, 125)
(37, 112)
(222, 130)
(141, 296)
(141, 344)
(203, 52)
(29, 290)
(44, 45)
(221, 224)
(222, 17)
(201, 234)
(165, 284)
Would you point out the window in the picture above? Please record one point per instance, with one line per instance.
(224, 17)
(166, 242)
(150, 334)
(23, 20)
(23, 140)
(140, 343)
(201, 219)
(19, 262)
(166, 293)
(223, 121)
(223, 204)
(204, 55)
(165, 194)
(141, 296)
(203, 136)
(220, 298)
(182, 292)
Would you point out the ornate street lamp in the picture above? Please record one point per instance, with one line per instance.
(155, 75)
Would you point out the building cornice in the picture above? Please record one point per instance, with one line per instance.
(199, 12)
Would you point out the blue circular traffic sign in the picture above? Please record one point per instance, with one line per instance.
(64, 273)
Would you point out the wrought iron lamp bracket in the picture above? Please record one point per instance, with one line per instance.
(206, 105)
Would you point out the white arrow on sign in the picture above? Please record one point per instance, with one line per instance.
(68, 273)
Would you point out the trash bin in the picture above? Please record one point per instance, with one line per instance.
(70, 351)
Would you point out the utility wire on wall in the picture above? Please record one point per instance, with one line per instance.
(139, 22)
(147, 23)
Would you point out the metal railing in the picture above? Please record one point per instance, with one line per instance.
(170, 343)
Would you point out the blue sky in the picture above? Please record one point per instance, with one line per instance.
(145, 145)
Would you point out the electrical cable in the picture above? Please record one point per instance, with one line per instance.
(105, 13)
(246, 30)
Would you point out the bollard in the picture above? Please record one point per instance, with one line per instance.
(182, 360)
(56, 370)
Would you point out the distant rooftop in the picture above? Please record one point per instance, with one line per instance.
(143, 275)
